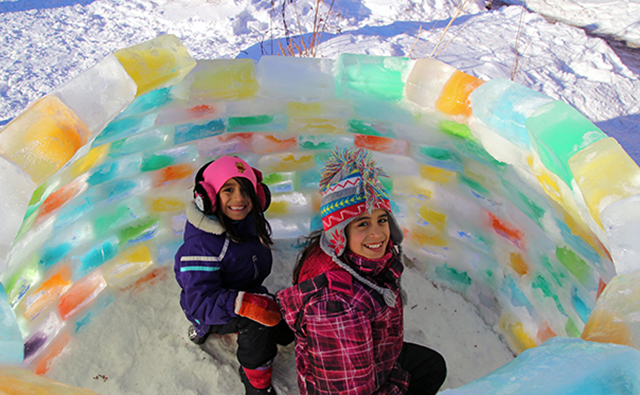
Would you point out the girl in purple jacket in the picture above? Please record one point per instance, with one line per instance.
(222, 264)
(345, 307)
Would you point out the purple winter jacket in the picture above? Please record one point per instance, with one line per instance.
(211, 268)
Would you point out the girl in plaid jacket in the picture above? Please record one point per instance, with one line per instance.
(345, 306)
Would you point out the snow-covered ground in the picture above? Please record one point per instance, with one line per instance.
(138, 345)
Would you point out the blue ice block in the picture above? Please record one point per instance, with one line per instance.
(11, 347)
(96, 256)
(125, 127)
(191, 132)
(504, 107)
(563, 366)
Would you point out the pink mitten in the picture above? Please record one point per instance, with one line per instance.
(258, 307)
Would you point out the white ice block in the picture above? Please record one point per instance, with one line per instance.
(296, 79)
(15, 194)
(621, 221)
(99, 94)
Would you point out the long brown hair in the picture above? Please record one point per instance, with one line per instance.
(262, 226)
(309, 243)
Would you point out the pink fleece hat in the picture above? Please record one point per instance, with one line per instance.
(225, 168)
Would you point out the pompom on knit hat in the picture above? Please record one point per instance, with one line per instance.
(350, 187)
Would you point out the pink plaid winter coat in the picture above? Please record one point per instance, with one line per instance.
(347, 339)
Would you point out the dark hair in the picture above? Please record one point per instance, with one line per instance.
(263, 229)
(308, 244)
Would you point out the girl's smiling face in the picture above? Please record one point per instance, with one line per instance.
(234, 201)
(368, 235)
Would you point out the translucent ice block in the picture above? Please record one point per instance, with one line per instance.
(190, 131)
(60, 197)
(426, 81)
(47, 294)
(563, 366)
(371, 77)
(11, 347)
(605, 174)
(41, 335)
(302, 79)
(615, 316)
(16, 191)
(121, 128)
(217, 80)
(42, 364)
(382, 144)
(325, 141)
(22, 381)
(454, 98)
(188, 113)
(128, 265)
(43, 138)
(96, 255)
(281, 182)
(156, 63)
(224, 144)
(81, 293)
(621, 221)
(558, 131)
(171, 174)
(99, 94)
(504, 107)
(263, 143)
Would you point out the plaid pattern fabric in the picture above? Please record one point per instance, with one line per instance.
(347, 339)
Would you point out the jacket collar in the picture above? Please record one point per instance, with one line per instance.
(202, 221)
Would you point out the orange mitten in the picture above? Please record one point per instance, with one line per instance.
(258, 307)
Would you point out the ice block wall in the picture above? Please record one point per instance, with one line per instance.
(511, 198)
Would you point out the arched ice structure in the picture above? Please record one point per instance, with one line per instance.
(511, 198)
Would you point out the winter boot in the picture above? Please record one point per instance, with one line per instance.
(193, 336)
(250, 389)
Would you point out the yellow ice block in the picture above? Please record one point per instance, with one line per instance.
(605, 174)
(223, 79)
(17, 381)
(156, 63)
(615, 316)
(128, 266)
(43, 138)
(517, 337)
(93, 158)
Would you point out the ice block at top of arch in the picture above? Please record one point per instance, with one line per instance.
(605, 174)
(558, 131)
(504, 107)
(17, 189)
(371, 77)
(454, 98)
(426, 80)
(43, 138)
(99, 94)
(614, 318)
(156, 63)
(621, 221)
(296, 79)
(218, 80)
(11, 347)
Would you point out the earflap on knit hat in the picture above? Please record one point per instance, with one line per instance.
(204, 195)
(350, 187)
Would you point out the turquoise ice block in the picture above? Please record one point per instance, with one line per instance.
(11, 347)
(504, 107)
(557, 132)
(563, 366)
(371, 77)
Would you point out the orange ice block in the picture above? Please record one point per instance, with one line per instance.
(43, 138)
(81, 293)
(454, 98)
(47, 294)
(172, 173)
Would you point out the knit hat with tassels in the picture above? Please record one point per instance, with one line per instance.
(349, 187)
